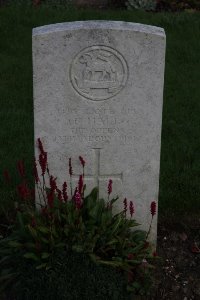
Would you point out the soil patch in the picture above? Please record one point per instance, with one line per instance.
(178, 273)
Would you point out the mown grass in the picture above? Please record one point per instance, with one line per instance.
(180, 156)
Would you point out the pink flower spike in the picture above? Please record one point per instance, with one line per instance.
(23, 191)
(131, 208)
(110, 186)
(80, 184)
(154, 254)
(21, 169)
(50, 198)
(60, 198)
(125, 204)
(43, 162)
(53, 183)
(82, 161)
(70, 167)
(64, 191)
(153, 208)
(77, 199)
(75, 191)
(130, 256)
(35, 171)
(40, 146)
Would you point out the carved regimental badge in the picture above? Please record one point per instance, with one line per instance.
(98, 72)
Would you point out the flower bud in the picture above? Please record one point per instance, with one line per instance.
(110, 186)
(153, 208)
(21, 169)
(40, 146)
(82, 161)
(64, 191)
(70, 167)
(131, 208)
(80, 184)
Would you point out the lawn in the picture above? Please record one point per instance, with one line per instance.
(180, 157)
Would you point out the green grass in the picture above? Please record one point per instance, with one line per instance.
(180, 156)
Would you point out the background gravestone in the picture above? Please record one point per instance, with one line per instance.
(98, 90)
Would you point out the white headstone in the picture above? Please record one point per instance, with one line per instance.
(98, 93)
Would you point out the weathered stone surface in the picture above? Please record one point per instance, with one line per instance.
(98, 90)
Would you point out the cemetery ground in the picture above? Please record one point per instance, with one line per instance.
(178, 273)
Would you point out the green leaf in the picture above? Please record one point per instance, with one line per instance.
(5, 258)
(64, 216)
(32, 231)
(90, 200)
(136, 285)
(55, 234)
(7, 276)
(138, 236)
(132, 223)
(42, 266)
(96, 211)
(60, 245)
(70, 218)
(6, 240)
(113, 241)
(77, 248)
(114, 200)
(20, 220)
(111, 263)
(6, 272)
(94, 257)
(101, 206)
(117, 258)
(15, 244)
(31, 255)
(66, 231)
(149, 266)
(44, 240)
(45, 255)
(89, 203)
(94, 194)
(106, 218)
(82, 226)
(137, 248)
(133, 261)
(116, 225)
(130, 289)
(30, 245)
(43, 229)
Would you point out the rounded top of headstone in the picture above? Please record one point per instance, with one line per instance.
(98, 24)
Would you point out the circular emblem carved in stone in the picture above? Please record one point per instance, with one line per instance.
(98, 72)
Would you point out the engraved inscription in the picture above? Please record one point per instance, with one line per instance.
(99, 126)
(98, 72)
(122, 139)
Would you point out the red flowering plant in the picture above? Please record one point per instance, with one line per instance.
(67, 219)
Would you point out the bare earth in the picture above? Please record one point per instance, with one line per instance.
(178, 272)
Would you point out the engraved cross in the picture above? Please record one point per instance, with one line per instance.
(97, 176)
